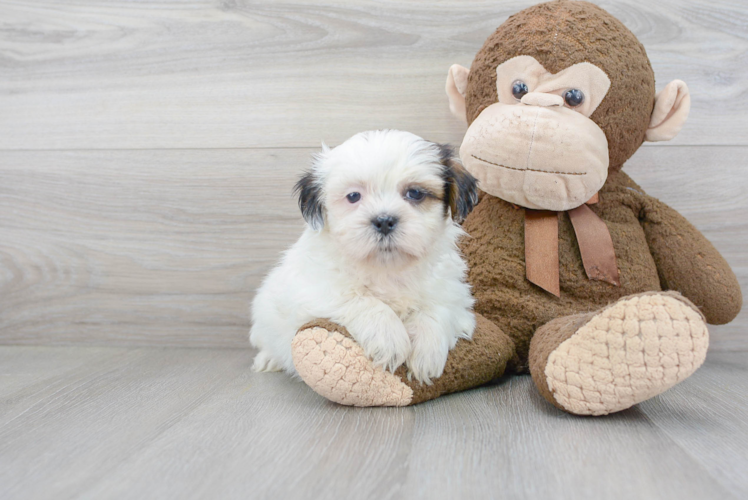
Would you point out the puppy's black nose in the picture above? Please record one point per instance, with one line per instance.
(384, 224)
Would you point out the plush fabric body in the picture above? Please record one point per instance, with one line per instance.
(495, 253)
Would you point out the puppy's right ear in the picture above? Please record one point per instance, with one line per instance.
(460, 187)
(310, 199)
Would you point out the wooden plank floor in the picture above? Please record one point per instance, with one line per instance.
(147, 154)
(87, 422)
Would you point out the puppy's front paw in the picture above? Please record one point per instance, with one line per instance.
(264, 362)
(430, 351)
(384, 340)
(465, 321)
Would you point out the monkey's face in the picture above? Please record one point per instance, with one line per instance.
(537, 147)
(559, 95)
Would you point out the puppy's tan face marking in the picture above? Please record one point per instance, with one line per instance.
(422, 194)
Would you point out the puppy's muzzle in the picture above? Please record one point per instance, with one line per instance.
(384, 224)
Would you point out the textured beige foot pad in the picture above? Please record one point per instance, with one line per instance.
(336, 368)
(334, 365)
(627, 353)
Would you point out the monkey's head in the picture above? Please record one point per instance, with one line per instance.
(559, 95)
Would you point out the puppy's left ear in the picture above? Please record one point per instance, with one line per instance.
(310, 199)
(460, 187)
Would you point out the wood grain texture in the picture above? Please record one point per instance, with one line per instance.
(166, 247)
(201, 74)
(196, 423)
(707, 418)
(94, 416)
(147, 246)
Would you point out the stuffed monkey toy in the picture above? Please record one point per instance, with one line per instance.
(602, 292)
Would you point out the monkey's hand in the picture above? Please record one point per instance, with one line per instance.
(688, 263)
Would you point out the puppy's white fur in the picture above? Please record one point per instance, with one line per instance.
(403, 296)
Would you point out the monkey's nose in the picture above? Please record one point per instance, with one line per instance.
(542, 99)
(384, 224)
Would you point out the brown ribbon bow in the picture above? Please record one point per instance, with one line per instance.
(541, 246)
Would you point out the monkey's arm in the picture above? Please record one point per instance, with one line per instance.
(688, 263)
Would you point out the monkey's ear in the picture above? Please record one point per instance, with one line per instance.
(310, 200)
(670, 112)
(460, 187)
(456, 88)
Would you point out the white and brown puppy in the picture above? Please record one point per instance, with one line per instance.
(379, 255)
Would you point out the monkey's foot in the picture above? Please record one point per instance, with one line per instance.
(609, 360)
(335, 366)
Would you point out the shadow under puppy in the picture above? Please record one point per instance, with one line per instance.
(379, 256)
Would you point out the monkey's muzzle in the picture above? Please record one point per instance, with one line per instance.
(546, 158)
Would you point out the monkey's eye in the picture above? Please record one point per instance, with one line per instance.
(519, 89)
(574, 97)
(353, 197)
(414, 194)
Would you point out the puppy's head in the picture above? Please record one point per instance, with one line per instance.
(383, 196)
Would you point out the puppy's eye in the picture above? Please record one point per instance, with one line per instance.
(353, 197)
(519, 89)
(415, 194)
(574, 97)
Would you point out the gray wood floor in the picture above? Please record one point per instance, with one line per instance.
(147, 154)
(108, 422)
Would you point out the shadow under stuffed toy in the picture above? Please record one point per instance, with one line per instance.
(602, 292)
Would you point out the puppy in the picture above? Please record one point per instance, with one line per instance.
(379, 255)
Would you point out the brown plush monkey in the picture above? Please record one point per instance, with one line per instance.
(600, 290)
